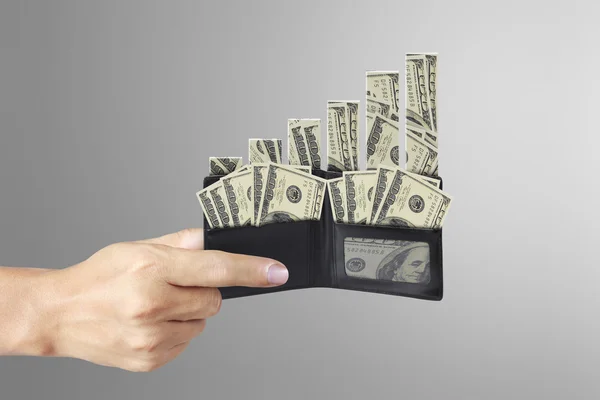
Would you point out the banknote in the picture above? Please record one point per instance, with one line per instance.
(337, 198)
(354, 132)
(383, 140)
(375, 107)
(291, 195)
(218, 197)
(383, 87)
(210, 211)
(421, 157)
(423, 134)
(223, 165)
(304, 138)
(259, 175)
(264, 150)
(432, 181)
(387, 260)
(359, 187)
(304, 168)
(431, 68)
(339, 153)
(238, 189)
(417, 97)
(431, 83)
(412, 202)
(383, 178)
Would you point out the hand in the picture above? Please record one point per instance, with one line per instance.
(138, 305)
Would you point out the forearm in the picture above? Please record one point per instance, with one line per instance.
(25, 318)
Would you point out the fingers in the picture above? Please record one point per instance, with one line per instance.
(214, 268)
(191, 239)
(193, 303)
(183, 331)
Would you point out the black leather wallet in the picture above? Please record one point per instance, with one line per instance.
(314, 254)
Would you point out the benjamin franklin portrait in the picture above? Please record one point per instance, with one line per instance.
(408, 263)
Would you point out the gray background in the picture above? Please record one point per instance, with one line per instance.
(110, 110)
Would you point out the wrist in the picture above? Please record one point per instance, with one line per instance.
(35, 326)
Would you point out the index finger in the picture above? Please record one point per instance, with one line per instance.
(215, 268)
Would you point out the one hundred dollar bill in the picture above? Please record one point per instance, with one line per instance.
(209, 209)
(259, 175)
(432, 181)
(304, 138)
(383, 140)
(383, 179)
(304, 168)
(223, 165)
(359, 187)
(339, 146)
(238, 189)
(354, 132)
(264, 150)
(337, 198)
(418, 106)
(421, 157)
(423, 134)
(412, 202)
(431, 83)
(375, 107)
(291, 195)
(387, 260)
(218, 197)
(383, 87)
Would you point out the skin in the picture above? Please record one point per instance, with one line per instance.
(132, 305)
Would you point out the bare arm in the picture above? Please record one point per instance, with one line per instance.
(134, 305)
(25, 299)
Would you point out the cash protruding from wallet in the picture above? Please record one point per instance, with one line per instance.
(384, 194)
(388, 196)
(264, 150)
(421, 123)
(382, 122)
(304, 142)
(223, 165)
(263, 193)
(342, 135)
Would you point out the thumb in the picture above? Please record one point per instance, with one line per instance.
(190, 239)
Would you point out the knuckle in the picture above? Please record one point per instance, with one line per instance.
(147, 256)
(142, 308)
(214, 301)
(144, 343)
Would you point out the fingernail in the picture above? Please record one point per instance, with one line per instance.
(277, 274)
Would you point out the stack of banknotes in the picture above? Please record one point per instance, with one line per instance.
(263, 193)
(388, 196)
(267, 190)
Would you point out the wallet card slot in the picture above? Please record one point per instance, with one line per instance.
(391, 260)
(288, 243)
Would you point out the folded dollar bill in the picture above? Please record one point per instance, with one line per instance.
(263, 193)
(388, 196)
(264, 150)
(421, 157)
(223, 165)
(291, 195)
(304, 142)
(339, 142)
(382, 118)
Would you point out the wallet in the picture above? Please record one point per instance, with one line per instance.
(327, 254)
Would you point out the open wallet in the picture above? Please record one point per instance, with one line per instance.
(327, 254)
